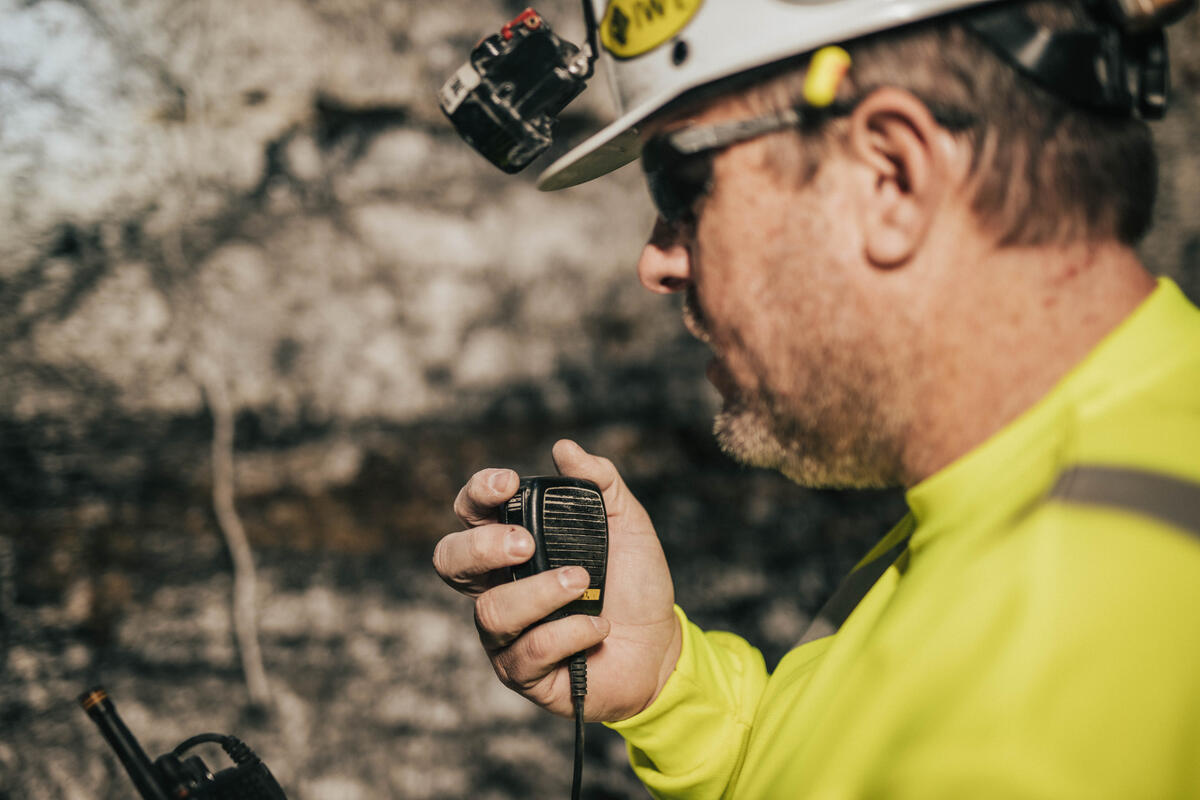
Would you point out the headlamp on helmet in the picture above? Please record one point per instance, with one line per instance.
(505, 99)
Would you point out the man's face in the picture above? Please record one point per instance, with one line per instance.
(772, 287)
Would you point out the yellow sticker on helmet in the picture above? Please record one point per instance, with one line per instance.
(633, 27)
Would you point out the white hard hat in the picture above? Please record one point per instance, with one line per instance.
(656, 50)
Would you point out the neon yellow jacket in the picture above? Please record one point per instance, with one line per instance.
(1040, 638)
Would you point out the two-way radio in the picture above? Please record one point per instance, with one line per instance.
(172, 776)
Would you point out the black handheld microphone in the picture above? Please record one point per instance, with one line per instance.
(567, 519)
(570, 528)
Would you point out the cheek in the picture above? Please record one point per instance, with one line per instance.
(754, 251)
(742, 233)
(740, 252)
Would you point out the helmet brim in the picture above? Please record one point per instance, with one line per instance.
(612, 148)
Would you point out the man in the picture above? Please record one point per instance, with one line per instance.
(924, 277)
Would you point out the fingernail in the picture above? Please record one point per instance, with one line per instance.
(517, 543)
(601, 625)
(573, 579)
(497, 480)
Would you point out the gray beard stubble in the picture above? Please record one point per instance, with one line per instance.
(839, 439)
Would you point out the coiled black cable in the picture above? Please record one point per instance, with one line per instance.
(577, 667)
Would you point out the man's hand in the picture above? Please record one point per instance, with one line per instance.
(633, 645)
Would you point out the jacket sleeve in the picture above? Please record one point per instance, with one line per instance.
(691, 740)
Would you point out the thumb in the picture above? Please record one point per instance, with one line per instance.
(574, 461)
(619, 503)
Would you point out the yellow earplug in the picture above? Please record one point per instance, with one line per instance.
(825, 74)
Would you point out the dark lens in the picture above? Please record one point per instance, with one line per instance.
(676, 181)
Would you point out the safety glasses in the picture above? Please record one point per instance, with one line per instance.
(678, 165)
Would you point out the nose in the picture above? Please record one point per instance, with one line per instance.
(665, 265)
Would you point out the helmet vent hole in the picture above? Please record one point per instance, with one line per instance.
(679, 52)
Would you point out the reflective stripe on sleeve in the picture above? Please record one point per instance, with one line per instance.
(1163, 497)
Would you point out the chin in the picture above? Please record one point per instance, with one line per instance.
(811, 458)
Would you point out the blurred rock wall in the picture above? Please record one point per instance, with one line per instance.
(263, 201)
(269, 192)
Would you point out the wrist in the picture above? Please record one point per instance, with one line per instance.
(670, 659)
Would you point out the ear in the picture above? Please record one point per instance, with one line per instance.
(907, 158)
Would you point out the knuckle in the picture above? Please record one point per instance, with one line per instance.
(460, 499)
(478, 548)
(501, 668)
(488, 616)
(439, 557)
(541, 692)
(537, 645)
(478, 489)
(513, 671)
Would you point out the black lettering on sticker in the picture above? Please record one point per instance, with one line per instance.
(620, 27)
(648, 10)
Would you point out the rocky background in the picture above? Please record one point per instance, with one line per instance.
(253, 214)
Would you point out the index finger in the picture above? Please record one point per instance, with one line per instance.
(484, 493)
